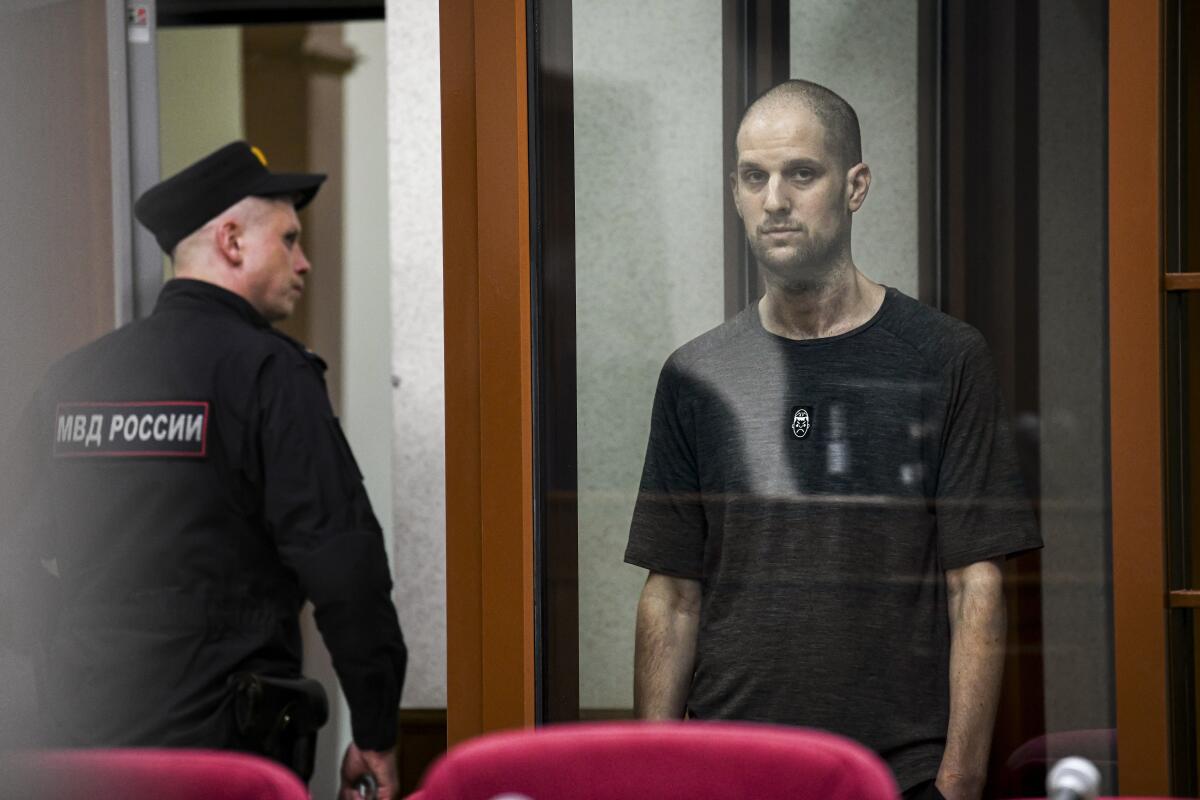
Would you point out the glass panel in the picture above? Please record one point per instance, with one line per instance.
(786, 547)
(1063, 428)
(885, 93)
(1181, 346)
(1189, 118)
(1184, 314)
(649, 276)
(1184, 309)
(1187, 629)
(56, 222)
(1184, 641)
(1189, 329)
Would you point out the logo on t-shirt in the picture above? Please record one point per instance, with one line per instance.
(801, 421)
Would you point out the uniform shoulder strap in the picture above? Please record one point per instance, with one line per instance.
(312, 358)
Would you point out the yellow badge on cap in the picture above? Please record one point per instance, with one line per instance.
(258, 154)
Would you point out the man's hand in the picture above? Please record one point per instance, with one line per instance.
(668, 619)
(975, 596)
(357, 764)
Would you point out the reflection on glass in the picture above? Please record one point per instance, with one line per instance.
(1181, 346)
(818, 482)
(1188, 310)
(648, 205)
(788, 584)
(883, 89)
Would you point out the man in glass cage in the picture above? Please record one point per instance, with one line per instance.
(830, 487)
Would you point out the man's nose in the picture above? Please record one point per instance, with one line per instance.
(303, 265)
(776, 199)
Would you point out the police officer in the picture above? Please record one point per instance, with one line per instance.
(189, 487)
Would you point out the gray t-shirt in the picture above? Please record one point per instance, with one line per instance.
(818, 490)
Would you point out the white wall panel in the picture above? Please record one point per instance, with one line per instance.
(418, 396)
(649, 195)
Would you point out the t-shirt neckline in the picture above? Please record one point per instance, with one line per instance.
(756, 323)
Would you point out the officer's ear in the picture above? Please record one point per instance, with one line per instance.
(230, 241)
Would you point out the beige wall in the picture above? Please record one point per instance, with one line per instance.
(365, 356)
(366, 288)
(199, 95)
(199, 92)
(418, 396)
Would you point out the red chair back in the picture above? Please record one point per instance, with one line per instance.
(633, 761)
(147, 775)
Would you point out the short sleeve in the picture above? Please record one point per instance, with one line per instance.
(668, 530)
(982, 509)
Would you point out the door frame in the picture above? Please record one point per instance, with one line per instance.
(1135, 213)
(488, 357)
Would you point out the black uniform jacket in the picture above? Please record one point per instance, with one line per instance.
(187, 478)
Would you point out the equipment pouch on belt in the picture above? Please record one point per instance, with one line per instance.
(279, 718)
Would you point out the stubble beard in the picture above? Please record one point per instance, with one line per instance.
(810, 267)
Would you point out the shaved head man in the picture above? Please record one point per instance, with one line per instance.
(188, 479)
(253, 249)
(829, 486)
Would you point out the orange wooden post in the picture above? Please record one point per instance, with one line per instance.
(489, 452)
(1135, 256)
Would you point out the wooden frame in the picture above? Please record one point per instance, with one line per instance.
(274, 12)
(931, 106)
(1136, 391)
(1181, 281)
(489, 454)
(556, 488)
(754, 57)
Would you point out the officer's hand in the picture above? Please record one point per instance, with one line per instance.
(357, 764)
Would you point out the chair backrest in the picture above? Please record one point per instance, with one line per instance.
(136, 774)
(624, 761)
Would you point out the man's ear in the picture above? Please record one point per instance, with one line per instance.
(230, 241)
(733, 191)
(858, 182)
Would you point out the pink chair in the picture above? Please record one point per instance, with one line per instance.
(633, 761)
(146, 775)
